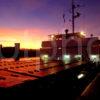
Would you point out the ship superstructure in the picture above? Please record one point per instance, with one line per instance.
(70, 47)
(74, 46)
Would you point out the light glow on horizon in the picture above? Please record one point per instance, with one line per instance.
(28, 44)
(23, 45)
(27, 38)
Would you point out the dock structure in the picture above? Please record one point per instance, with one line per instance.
(10, 52)
(16, 52)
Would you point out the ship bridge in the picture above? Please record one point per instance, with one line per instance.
(67, 35)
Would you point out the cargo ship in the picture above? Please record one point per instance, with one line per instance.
(69, 47)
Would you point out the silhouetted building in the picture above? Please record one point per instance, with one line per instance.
(10, 52)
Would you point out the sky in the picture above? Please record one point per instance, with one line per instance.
(29, 22)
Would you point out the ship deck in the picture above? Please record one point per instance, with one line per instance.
(23, 78)
(13, 73)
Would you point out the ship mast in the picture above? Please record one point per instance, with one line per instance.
(73, 20)
(75, 14)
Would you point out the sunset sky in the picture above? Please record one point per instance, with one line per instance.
(31, 21)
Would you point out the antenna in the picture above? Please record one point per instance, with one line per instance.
(75, 14)
(73, 21)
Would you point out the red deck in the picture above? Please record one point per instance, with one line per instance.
(12, 73)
